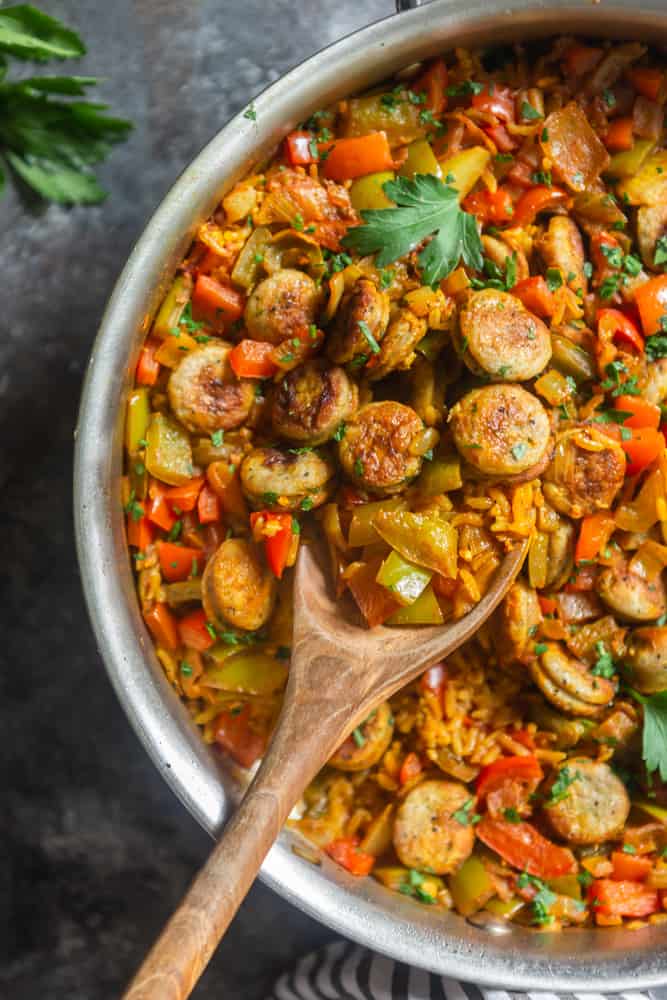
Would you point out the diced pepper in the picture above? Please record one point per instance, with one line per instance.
(642, 448)
(536, 296)
(193, 632)
(433, 84)
(419, 538)
(300, 149)
(248, 671)
(651, 300)
(216, 302)
(225, 481)
(524, 770)
(139, 532)
(233, 731)
(580, 59)
(410, 768)
(538, 199)
(471, 886)
(158, 510)
(554, 387)
(622, 899)
(644, 414)
(499, 135)
(524, 847)
(595, 531)
(442, 475)
(162, 626)
(495, 100)
(547, 605)
(378, 835)
(618, 136)
(629, 163)
(462, 170)
(583, 578)
(172, 350)
(362, 530)
(614, 325)
(253, 359)
(505, 908)
(424, 611)
(249, 263)
(571, 359)
(178, 562)
(276, 530)
(403, 579)
(368, 192)
(168, 451)
(490, 206)
(648, 186)
(148, 368)
(375, 602)
(647, 81)
(208, 506)
(173, 304)
(420, 160)
(400, 120)
(357, 156)
(345, 852)
(184, 497)
(629, 867)
(137, 420)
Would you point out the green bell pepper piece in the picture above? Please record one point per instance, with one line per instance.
(504, 907)
(471, 886)
(424, 611)
(361, 530)
(137, 420)
(170, 312)
(420, 160)
(442, 475)
(565, 885)
(168, 452)
(404, 579)
(571, 359)
(249, 671)
(367, 192)
(420, 539)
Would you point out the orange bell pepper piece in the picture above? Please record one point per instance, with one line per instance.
(253, 359)
(162, 626)
(208, 506)
(433, 83)
(642, 448)
(225, 482)
(193, 632)
(234, 732)
(622, 899)
(547, 605)
(614, 325)
(178, 562)
(619, 135)
(216, 302)
(535, 201)
(410, 768)
(595, 531)
(495, 100)
(157, 509)
(490, 206)
(644, 414)
(651, 300)
(139, 532)
(357, 156)
(148, 368)
(277, 531)
(647, 81)
(524, 847)
(345, 852)
(536, 296)
(184, 497)
(524, 770)
(629, 868)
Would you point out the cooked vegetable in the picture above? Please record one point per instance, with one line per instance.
(422, 539)
(168, 451)
(524, 847)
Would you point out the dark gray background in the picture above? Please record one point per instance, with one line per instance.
(94, 849)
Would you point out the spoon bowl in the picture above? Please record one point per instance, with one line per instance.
(339, 672)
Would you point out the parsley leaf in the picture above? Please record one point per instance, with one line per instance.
(660, 256)
(604, 665)
(656, 347)
(561, 786)
(654, 736)
(424, 207)
(528, 112)
(50, 144)
(465, 816)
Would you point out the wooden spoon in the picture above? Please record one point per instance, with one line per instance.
(339, 673)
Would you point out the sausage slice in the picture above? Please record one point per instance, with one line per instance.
(501, 338)
(427, 836)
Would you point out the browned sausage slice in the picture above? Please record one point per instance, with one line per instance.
(592, 805)
(428, 835)
(500, 338)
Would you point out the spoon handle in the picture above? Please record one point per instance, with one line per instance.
(299, 747)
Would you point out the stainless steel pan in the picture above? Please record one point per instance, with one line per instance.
(445, 943)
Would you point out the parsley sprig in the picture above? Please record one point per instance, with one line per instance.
(654, 734)
(424, 207)
(49, 138)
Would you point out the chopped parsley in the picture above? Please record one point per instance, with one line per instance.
(413, 886)
(465, 816)
(604, 664)
(133, 507)
(340, 432)
(270, 498)
(250, 112)
(175, 531)
(372, 342)
(540, 647)
(386, 277)
(529, 112)
(554, 279)
(660, 255)
(464, 89)
(217, 437)
(629, 849)
(561, 786)
(358, 467)
(512, 815)
(306, 504)
(358, 737)
(656, 347)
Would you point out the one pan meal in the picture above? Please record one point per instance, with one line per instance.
(431, 325)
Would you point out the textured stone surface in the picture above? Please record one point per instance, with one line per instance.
(94, 849)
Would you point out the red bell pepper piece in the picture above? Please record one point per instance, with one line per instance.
(139, 532)
(158, 510)
(524, 770)
(209, 508)
(345, 852)
(193, 632)
(524, 847)
(648, 82)
(433, 83)
(357, 156)
(491, 206)
(622, 899)
(148, 368)
(235, 734)
(619, 135)
(410, 768)
(535, 201)
(178, 562)
(580, 59)
(642, 448)
(277, 532)
(651, 300)
(495, 100)
(629, 868)
(300, 149)
(184, 497)
(536, 296)
(615, 325)
(253, 359)
(595, 530)
(216, 302)
(162, 626)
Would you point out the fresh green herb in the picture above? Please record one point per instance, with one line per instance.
(426, 117)
(133, 507)
(611, 416)
(588, 269)
(495, 277)
(202, 338)
(297, 222)
(561, 786)
(604, 665)
(464, 816)
(554, 279)
(186, 669)
(175, 531)
(340, 432)
(608, 98)
(503, 157)
(339, 261)
(270, 498)
(412, 886)
(313, 149)
(250, 112)
(584, 878)
(511, 815)
(519, 450)
(217, 437)
(428, 455)
(372, 342)
(654, 735)
(210, 628)
(540, 647)
(358, 737)
(545, 135)
(359, 361)
(48, 142)
(542, 177)
(529, 112)
(656, 347)
(464, 89)
(296, 527)
(386, 277)
(424, 207)
(306, 504)
(629, 849)
(609, 286)
(358, 467)
(541, 901)
(578, 178)
(632, 265)
(660, 256)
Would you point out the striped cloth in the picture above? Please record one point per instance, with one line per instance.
(344, 971)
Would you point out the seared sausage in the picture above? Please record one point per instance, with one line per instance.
(237, 588)
(499, 252)
(283, 305)
(283, 480)
(427, 836)
(586, 472)
(560, 557)
(595, 804)
(651, 225)
(646, 658)
(655, 388)
(380, 449)
(500, 338)
(366, 745)
(309, 404)
(501, 430)
(363, 314)
(562, 247)
(630, 596)
(397, 348)
(516, 622)
(205, 394)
